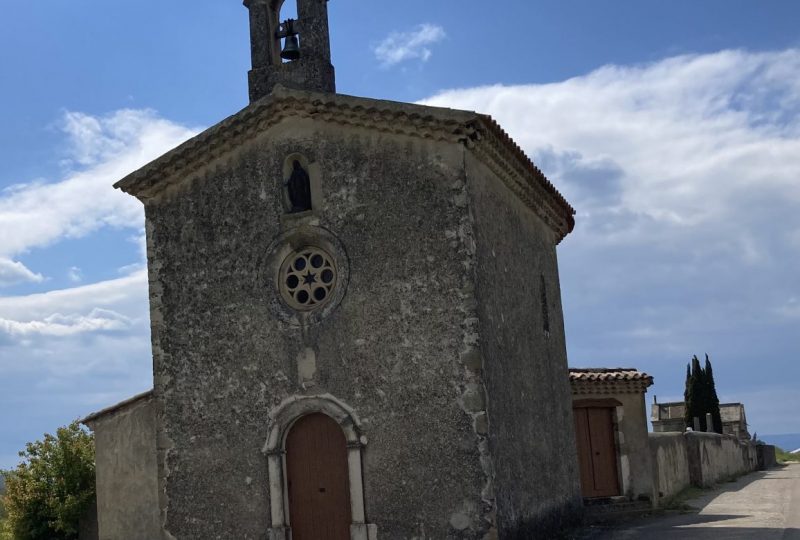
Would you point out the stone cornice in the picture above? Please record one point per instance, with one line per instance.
(479, 133)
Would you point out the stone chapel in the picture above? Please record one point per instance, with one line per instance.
(356, 322)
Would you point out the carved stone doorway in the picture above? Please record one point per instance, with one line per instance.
(317, 479)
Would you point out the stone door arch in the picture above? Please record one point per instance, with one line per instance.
(281, 421)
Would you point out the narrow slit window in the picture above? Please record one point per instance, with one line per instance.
(545, 307)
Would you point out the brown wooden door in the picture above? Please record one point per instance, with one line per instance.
(597, 451)
(317, 475)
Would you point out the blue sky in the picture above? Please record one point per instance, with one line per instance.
(672, 127)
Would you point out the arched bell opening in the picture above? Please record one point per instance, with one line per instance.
(296, 426)
(288, 32)
(290, 45)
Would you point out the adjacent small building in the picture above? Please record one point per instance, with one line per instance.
(669, 417)
(611, 432)
(126, 469)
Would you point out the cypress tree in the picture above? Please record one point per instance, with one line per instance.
(695, 395)
(688, 398)
(692, 396)
(700, 404)
(700, 396)
(713, 400)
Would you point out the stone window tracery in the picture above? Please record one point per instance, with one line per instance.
(307, 278)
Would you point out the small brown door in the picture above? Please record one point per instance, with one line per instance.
(317, 475)
(597, 451)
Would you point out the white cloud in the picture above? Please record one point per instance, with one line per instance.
(691, 135)
(14, 272)
(72, 351)
(59, 334)
(105, 149)
(74, 274)
(414, 45)
(111, 295)
(67, 325)
(685, 177)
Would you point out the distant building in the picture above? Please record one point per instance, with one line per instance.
(668, 417)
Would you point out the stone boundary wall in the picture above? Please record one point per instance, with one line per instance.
(670, 464)
(766, 457)
(714, 457)
(696, 459)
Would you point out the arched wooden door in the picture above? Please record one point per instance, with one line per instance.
(317, 475)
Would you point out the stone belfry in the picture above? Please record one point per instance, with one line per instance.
(312, 70)
(356, 323)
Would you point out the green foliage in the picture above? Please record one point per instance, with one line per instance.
(690, 396)
(5, 532)
(700, 396)
(51, 488)
(712, 401)
(785, 457)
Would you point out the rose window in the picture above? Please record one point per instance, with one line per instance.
(307, 278)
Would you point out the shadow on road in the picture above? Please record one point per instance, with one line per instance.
(733, 510)
(701, 533)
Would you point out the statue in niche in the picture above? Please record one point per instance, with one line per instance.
(299, 188)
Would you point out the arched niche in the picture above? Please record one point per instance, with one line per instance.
(314, 185)
(281, 420)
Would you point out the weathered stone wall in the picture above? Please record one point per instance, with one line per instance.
(670, 464)
(531, 435)
(714, 457)
(675, 425)
(635, 463)
(698, 459)
(391, 350)
(127, 496)
(766, 456)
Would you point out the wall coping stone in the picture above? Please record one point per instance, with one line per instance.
(124, 404)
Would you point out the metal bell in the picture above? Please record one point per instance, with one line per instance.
(291, 48)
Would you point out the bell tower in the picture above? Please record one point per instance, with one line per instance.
(303, 62)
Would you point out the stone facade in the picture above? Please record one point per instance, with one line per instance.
(437, 346)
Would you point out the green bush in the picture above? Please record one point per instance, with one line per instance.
(51, 489)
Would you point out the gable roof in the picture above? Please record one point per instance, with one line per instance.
(478, 132)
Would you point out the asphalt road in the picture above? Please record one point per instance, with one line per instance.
(760, 505)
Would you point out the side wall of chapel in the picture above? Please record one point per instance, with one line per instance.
(531, 434)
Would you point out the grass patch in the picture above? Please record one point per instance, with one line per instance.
(785, 457)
